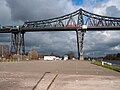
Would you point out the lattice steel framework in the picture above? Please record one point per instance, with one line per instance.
(76, 19)
(17, 43)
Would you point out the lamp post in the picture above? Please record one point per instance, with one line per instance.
(2, 52)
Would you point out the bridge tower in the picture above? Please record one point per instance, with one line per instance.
(17, 43)
(80, 36)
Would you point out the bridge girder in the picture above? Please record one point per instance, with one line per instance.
(73, 20)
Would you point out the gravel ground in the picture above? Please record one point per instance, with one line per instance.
(72, 75)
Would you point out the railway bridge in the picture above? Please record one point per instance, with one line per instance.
(79, 21)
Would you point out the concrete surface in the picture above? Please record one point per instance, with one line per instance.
(72, 75)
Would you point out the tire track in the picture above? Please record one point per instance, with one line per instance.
(52, 82)
(40, 80)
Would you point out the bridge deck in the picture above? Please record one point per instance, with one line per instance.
(89, 28)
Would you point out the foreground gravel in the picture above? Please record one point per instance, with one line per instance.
(72, 75)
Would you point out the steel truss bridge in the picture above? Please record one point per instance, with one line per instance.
(79, 21)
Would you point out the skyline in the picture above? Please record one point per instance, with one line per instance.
(61, 42)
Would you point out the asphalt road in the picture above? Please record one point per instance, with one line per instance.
(57, 75)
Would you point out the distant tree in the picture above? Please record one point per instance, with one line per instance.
(4, 51)
(33, 54)
(41, 55)
(112, 57)
(71, 55)
(52, 54)
(118, 55)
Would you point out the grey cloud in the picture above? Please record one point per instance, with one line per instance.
(35, 9)
(101, 42)
(5, 17)
(113, 11)
(5, 38)
(54, 41)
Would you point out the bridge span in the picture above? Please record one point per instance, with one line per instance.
(37, 29)
(79, 21)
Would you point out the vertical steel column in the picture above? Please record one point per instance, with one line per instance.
(78, 45)
(14, 42)
(23, 43)
(17, 43)
(80, 36)
(80, 39)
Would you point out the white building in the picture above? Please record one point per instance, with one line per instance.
(50, 58)
(65, 57)
(58, 58)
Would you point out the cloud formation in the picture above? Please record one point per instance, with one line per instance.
(107, 41)
(37, 9)
(113, 11)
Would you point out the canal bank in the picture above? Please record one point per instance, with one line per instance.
(110, 64)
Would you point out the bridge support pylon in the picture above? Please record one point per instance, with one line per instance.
(17, 43)
(80, 39)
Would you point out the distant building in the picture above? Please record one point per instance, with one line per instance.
(66, 57)
(58, 58)
(50, 58)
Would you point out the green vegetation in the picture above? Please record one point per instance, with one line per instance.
(115, 68)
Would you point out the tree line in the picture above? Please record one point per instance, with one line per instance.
(112, 57)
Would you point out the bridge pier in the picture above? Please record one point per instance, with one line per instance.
(17, 43)
(80, 39)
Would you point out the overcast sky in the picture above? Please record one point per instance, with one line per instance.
(15, 12)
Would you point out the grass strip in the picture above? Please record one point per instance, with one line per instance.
(115, 68)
